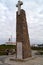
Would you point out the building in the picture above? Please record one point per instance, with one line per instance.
(10, 43)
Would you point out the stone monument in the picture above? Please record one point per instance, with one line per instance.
(23, 49)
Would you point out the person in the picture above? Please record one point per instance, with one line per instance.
(7, 52)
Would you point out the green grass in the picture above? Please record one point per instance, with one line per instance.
(3, 48)
(41, 53)
(2, 53)
(37, 48)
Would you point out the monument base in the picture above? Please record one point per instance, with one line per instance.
(23, 60)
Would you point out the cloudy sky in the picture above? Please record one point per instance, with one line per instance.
(34, 15)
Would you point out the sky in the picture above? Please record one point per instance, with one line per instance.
(34, 16)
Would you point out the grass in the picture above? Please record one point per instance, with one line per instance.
(3, 48)
(37, 48)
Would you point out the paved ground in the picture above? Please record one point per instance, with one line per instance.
(3, 59)
(5, 64)
(36, 60)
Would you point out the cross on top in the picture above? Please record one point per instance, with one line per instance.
(19, 6)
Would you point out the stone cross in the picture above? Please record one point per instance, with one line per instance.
(19, 6)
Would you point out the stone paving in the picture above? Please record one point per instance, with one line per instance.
(4, 63)
(36, 60)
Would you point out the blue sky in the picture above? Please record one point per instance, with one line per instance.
(34, 15)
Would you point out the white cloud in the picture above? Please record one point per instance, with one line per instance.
(7, 22)
(34, 15)
(34, 10)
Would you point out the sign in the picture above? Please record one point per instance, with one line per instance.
(19, 50)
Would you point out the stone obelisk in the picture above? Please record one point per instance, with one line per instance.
(22, 36)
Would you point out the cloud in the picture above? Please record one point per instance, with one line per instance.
(34, 15)
(11, 4)
(34, 12)
(7, 22)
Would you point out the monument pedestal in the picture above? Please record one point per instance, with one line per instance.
(22, 37)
